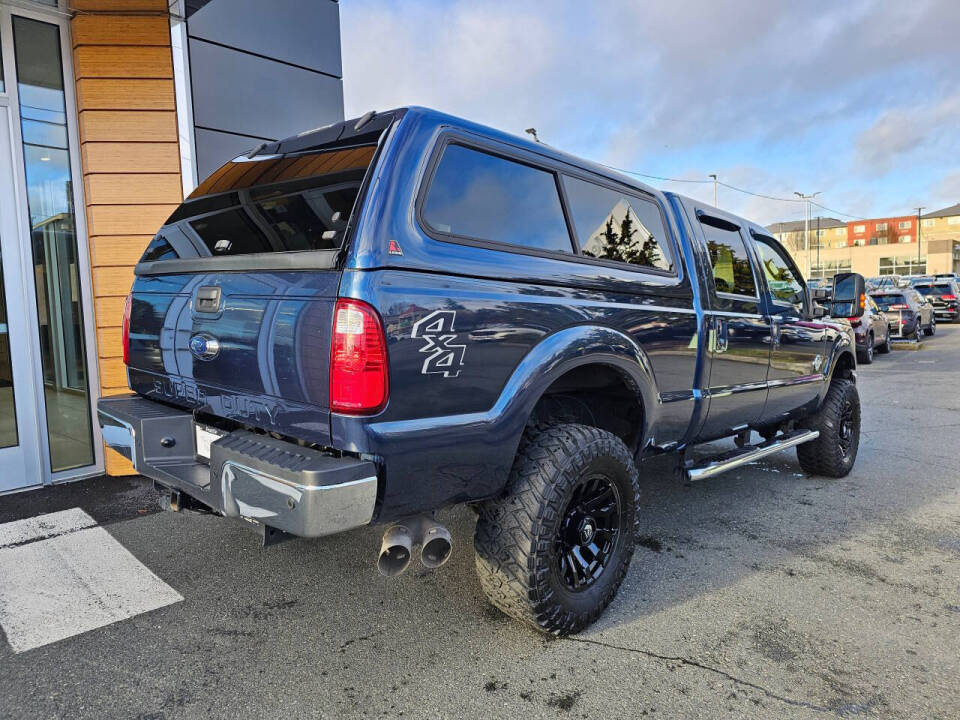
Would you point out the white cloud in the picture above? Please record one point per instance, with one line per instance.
(808, 91)
(901, 131)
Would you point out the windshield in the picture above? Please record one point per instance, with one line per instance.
(934, 289)
(885, 301)
(282, 204)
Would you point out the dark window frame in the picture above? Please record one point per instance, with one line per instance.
(725, 225)
(668, 241)
(758, 237)
(556, 168)
(433, 232)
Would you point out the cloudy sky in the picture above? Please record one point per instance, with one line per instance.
(859, 100)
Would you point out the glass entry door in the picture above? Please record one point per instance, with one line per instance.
(19, 455)
(47, 344)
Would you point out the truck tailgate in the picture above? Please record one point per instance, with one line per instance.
(261, 357)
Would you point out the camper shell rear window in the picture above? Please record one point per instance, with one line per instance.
(272, 205)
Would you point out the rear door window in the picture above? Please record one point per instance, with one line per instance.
(729, 262)
(614, 225)
(480, 196)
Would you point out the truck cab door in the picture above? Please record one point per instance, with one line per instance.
(738, 333)
(798, 343)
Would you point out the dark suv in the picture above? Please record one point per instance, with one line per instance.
(872, 332)
(908, 314)
(943, 294)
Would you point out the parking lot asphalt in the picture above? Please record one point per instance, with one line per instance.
(761, 593)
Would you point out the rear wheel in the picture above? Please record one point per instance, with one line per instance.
(932, 327)
(866, 355)
(553, 551)
(885, 348)
(834, 452)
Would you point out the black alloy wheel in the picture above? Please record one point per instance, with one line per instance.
(588, 532)
(848, 427)
(554, 549)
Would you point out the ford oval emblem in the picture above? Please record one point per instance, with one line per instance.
(205, 347)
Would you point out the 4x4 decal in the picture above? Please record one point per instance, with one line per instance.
(444, 356)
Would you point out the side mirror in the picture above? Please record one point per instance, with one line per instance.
(849, 295)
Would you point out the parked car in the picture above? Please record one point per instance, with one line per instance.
(943, 293)
(825, 288)
(872, 332)
(908, 314)
(298, 342)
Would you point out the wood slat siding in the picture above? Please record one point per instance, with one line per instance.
(130, 156)
(92, 61)
(121, 125)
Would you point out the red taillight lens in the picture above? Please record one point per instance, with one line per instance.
(899, 307)
(358, 360)
(125, 329)
(948, 297)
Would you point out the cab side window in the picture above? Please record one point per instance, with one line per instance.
(729, 262)
(486, 197)
(785, 286)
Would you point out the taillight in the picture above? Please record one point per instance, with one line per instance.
(948, 297)
(900, 307)
(358, 360)
(854, 322)
(125, 329)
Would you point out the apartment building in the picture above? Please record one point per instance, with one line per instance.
(877, 246)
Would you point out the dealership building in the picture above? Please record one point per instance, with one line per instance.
(111, 111)
(903, 245)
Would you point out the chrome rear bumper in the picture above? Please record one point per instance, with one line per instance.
(298, 490)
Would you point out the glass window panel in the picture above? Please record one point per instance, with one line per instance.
(729, 262)
(54, 242)
(44, 133)
(783, 284)
(478, 195)
(615, 226)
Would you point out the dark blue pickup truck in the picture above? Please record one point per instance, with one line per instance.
(382, 317)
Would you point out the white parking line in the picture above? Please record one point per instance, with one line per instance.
(60, 576)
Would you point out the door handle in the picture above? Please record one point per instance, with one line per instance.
(775, 331)
(721, 343)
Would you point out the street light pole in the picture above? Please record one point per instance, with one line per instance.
(806, 223)
(819, 243)
(918, 235)
(714, 190)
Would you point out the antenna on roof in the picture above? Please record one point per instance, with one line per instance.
(532, 131)
(365, 118)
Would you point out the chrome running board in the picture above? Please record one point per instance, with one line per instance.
(741, 456)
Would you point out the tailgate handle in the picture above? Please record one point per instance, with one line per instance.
(208, 299)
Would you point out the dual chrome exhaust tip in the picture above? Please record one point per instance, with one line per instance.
(396, 551)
